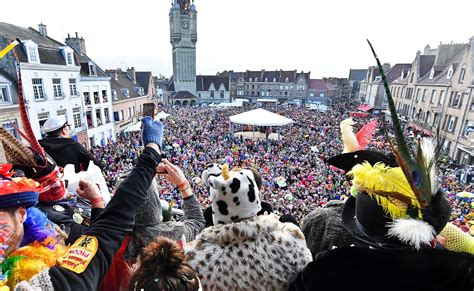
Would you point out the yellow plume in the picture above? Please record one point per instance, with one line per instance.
(225, 172)
(388, 186)
(349, 139)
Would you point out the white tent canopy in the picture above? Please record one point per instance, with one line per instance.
(260, 117)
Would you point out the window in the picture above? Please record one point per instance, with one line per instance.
(139, 91)
(212, 93)
(4, 94)
(451, 125)
(411, 77)
(436, 119)
(73, 87)
(42, 117)
(222, 94)
(423, 98)
(69, 59)
(433, 97)
(57, 90)
(250, 80)
(11, 126)
(106, 115)
(98, 117)
(427, 118)
(96, 97)
(274, 80)
(457, 100)
(468, 128)
(450, 72)
(62, 112)
(417, 95)
(87, 98)
(92, 69)
(287, 80)
(33, 54)
(38, 90)
(124, 92)
(114, 94)
(442, 97)
(104, 96)
(129, 112)
(116, 116)
(462, 74)
(256, 79)
(76, 116)
(90, 124)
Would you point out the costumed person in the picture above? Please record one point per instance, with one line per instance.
(149, 225)
(30, 238)
(62, 208)
(242, 250)
(323, 227)
(84, 264)
(162, 265)
(215, 170)
(397, 211)
(62, 148)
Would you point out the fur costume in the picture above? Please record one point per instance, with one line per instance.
(259, 254)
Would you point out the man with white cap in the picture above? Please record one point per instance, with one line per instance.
(61, 147)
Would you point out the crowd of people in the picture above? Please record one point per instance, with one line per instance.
(296, 176)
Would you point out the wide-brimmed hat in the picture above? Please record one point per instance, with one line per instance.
(19, 191)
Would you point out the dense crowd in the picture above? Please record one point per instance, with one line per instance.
(296, 177)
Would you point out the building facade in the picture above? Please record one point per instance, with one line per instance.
(96, 93)
(128, 97)
(356, 76)
(437, 97)
(49, 71)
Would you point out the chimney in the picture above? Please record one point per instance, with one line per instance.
(131, 74)
(42, 29)
(78, 44)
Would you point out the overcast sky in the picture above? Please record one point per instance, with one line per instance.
(326, 37)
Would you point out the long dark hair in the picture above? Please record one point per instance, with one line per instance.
(163, 266)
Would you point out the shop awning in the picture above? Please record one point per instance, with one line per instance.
(365, 107)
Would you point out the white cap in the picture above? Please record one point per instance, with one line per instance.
(54, 123)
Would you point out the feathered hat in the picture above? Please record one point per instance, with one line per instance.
(32, 160)
(396, 207)
(16, 192)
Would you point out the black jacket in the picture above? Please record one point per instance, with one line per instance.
(66, 151)
(353, 268)
(73, 229)
(111, 226)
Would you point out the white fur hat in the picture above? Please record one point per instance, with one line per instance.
(235, 195)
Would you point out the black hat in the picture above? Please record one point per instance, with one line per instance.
(348, 160)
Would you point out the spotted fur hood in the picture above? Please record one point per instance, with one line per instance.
(261, 254)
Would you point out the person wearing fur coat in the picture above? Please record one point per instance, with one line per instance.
(243, 251)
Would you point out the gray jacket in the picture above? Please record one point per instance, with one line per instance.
(149, 223)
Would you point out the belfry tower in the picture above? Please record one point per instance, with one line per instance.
(183, 37)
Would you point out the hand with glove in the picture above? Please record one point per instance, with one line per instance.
(152, 132)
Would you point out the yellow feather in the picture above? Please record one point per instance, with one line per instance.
(348, 136)
(380, 178)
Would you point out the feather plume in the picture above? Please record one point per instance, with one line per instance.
(388, 185)
(349, 139)
(365, 134)
(413, 232)
(15, 151)
(414, 172)
(428, 153)
(30, 136)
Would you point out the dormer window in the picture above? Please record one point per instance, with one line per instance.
(92, 69)
(287, 80)
(462, 74)
(250, 80)
(432, 73)
(140, 90)
(31, 51)
(274, 80)
(256, 79)
(68, 55)
(378, 78)
(114, 94)
(266, 79)
(125, 92)
(450, 72)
